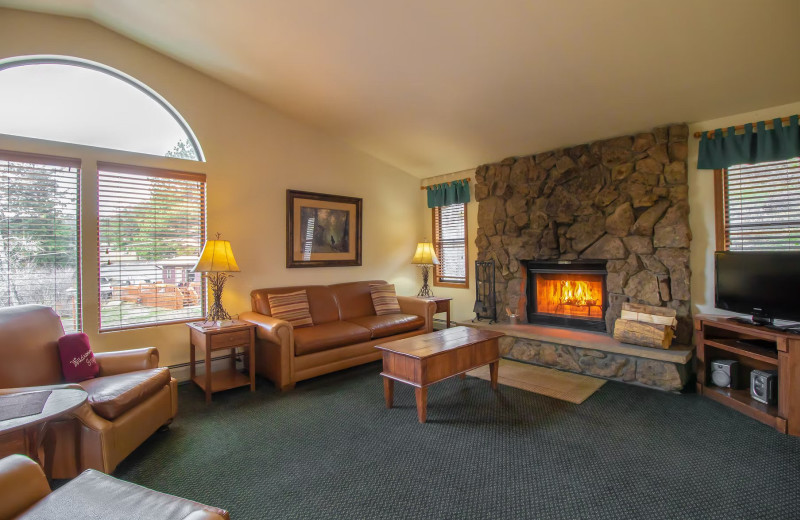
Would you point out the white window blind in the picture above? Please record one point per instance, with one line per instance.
(449, 242)
(40, 228)
(151, 230)
(762, 206)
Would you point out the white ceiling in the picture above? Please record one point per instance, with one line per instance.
(436, 86)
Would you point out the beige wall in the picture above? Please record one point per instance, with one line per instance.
(701, 202)
(254, 155)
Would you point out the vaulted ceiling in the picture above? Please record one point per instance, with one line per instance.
(436, 86)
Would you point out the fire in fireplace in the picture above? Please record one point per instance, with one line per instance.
(571, 294)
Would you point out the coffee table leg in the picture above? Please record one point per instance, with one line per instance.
(422, 403)
(388, 391)
(493, 372)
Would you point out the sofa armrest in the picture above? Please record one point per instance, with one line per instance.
(419, 307)
(22, 484)
(123, 361)
(274, 348)
(269, 328)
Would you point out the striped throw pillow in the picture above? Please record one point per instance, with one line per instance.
(291, 307)
(384, 299)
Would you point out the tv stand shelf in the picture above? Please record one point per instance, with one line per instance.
(729, 345)
(721, 337)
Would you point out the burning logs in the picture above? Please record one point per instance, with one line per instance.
(646, 325)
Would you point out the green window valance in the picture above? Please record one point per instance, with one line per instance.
(454, 192)
(778, 144)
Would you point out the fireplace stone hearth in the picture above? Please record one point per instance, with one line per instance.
(621, 201)
(595, 354)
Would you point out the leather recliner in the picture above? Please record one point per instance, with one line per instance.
(25, 494)
(128, 401)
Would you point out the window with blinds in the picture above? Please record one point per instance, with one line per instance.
(760, 207)
(450, 244)
(40, 228)
(151, 230)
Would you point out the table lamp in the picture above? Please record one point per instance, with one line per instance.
(425, 257)
(216, 261)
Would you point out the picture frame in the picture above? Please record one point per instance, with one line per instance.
(322, 230)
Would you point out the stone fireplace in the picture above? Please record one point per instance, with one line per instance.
(621, 202)
(576, 232)
(569, 294)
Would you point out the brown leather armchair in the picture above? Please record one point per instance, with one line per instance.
(129, 400)
(25, 494)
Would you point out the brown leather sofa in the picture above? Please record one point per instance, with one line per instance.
(129, 400)
(25, 494)
(345, 332)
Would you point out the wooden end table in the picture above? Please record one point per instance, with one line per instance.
(209, 339)
(421, 361)
(442, 305)
(60, 402)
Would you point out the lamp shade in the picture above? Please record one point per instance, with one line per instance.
(217, 256)
(425, 254)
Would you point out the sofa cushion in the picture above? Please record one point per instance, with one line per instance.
(384, 299)
(354, 299)
(96, 495)
(112, 396)
(327, 336)
(389, 324)
(291, 307)
(321, 301)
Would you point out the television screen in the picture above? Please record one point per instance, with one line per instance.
(765, 283)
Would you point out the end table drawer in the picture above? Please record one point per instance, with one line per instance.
(230, 339)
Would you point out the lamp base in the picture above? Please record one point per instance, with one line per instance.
(216, 312)
(425, 290)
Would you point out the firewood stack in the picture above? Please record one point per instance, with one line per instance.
(646, 325)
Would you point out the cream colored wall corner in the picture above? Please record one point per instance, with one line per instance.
(701, 204)
(254, 154)
(463, 299)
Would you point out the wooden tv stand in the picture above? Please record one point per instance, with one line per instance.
(718, 338)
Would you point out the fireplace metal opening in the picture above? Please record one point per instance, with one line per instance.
(567, 294)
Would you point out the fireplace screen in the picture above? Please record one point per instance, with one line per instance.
(567, 294)
(579, 295)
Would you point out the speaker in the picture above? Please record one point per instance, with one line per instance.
(764, 386)
(725, 373)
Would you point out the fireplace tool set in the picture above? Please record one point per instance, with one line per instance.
(485, 299)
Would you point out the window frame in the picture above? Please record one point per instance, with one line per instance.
(720, 204)
(435, 234)
(65, 162)
(719, 211)
(111, 167)
(53, 59)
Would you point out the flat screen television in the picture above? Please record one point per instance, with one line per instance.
(765, 284)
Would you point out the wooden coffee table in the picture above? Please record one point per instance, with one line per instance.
(421, 361)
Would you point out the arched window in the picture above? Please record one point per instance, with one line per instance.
(71, 100)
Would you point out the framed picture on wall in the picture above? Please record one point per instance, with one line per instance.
(322, 230)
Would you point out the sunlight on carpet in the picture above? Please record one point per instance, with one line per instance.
(566, 386)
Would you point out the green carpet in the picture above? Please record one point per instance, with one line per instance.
(329, 449)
